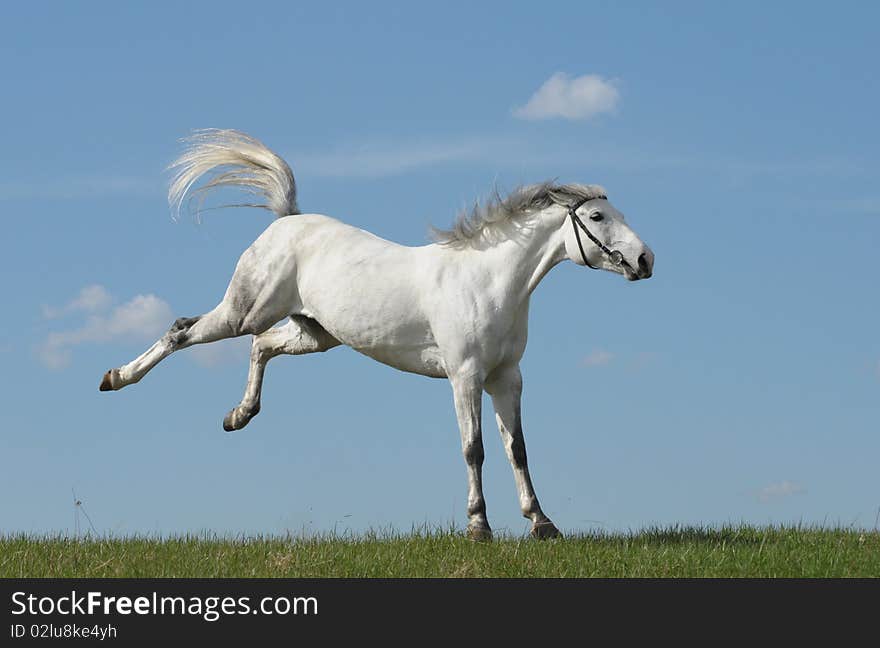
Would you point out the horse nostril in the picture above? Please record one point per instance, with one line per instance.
(644, 268)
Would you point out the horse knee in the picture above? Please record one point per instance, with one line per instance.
(518, 453)
(473, 453)
(179, 330)
(184, 322)
(259, 354)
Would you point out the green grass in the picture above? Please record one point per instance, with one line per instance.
(656, 552)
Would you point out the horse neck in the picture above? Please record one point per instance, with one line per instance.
(520, 262)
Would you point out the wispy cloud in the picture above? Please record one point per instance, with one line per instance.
(390, 159)
(780, 489)
(75, 187)
(143, 317)
(571, 98)
(598, 358)
(397, 158)
(90, 299)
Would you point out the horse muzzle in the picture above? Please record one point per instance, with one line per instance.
(643, 269)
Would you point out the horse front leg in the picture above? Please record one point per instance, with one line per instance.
(300, 335)
(505, 388)
(468, 395)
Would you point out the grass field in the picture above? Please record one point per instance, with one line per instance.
(677, 552)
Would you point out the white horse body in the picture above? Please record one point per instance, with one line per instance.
(406, 307)
(362, 289)
(457, 309)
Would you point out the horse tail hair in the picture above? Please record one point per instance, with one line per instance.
(231, 158)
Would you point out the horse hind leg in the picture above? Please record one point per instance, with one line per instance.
(130, 373)
(225, 321)
(255, 300)
(299, 336)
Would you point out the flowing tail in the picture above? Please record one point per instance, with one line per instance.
(231, 158)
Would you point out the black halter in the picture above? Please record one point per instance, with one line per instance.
(614, 256)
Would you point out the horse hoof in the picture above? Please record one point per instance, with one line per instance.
(229, 422)
(107, 381)
(236, 419)
(479, 533)
(545, 531)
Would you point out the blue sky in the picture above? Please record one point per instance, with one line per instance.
(739, 384)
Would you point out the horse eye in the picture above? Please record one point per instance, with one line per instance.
(597, 217)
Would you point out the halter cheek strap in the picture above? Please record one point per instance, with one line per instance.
(577, 224)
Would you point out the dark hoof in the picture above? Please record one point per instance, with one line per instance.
(107, 382)
(479, 533)
(545, 531)
(236, 420)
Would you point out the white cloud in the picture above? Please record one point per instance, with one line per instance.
(90, 299)
(598, 358)
(781, 489)
(144, 317)
(578, 98)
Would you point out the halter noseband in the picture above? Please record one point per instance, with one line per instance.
(615, 256)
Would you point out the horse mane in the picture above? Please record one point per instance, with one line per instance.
(471, 224)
